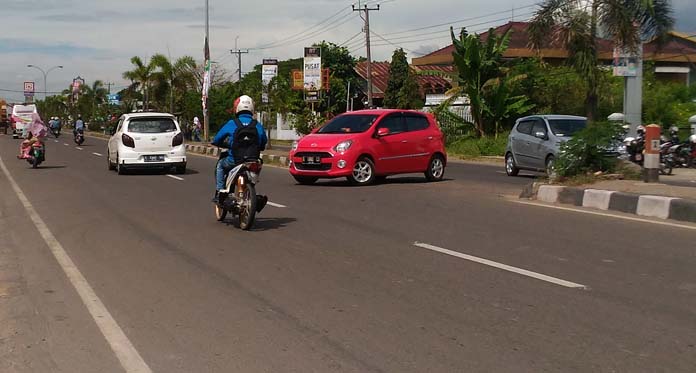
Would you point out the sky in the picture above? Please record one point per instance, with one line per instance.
(95, 39)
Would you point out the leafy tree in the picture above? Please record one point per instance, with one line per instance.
(625, 22)
(484, 79)
(178, 77)
(142, 75)
(402, 91)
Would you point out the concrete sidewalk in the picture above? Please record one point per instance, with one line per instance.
(629, 196)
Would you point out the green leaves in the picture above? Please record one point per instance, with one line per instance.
(403, 91)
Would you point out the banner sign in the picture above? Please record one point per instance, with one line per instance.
(297, 80)
(114, 99)
(625, 63)
(28, 89)
(269, 70)
(312, 69)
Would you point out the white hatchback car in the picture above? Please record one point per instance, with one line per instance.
(147, 141)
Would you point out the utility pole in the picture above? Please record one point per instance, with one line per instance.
(239, 53)
(366, 29)
(109, 84)
(206, 119)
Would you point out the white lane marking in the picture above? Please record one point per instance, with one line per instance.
(693, 227)
(275, 204)
(78, 148)
(97, 154)
(128, 356)
(66, 144)
(55, 140)
(502, 266)
(501, 172)
(175, 177)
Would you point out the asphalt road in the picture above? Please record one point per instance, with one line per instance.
(333, 281)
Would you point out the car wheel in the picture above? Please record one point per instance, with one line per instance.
(111, 166)
(305, 180)
(363, 172)
(436, 168)
(551, 167)
(119, 167)
(510, 166)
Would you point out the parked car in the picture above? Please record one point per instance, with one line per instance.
(535, 141)
(367, 145)
(146, 141)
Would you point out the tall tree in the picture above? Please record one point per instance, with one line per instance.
(178, 76)
(142, 75)
(402, 91)
(577, 24)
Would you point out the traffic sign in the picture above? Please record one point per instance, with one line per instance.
(28, 89)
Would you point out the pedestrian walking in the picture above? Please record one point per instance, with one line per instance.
(196, 129)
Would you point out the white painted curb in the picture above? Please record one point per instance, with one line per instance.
(654, 206)
(549, 193)
(598, 199)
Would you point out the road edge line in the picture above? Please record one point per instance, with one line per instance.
(122, 347)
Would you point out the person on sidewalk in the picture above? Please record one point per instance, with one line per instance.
(196, 129)
(231, 136)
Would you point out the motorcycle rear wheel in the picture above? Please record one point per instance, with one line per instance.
(247, 207)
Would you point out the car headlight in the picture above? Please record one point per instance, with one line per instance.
(294, 145)
(343, 146)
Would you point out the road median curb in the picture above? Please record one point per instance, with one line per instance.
(609, 200)
(214, 152)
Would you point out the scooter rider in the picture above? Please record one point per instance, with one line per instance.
(229, 136)
(674, 135)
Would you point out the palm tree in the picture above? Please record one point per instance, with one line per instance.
(142, 75)
(577, 24)
(178, 77)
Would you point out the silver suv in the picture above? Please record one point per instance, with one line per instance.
(535, 141)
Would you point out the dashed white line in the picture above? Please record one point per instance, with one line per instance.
(55, 140)
(66, 144)
(275, 204)
(97, 154)
(128, 356)
(78, 148)
(175, 177)
(502, 266)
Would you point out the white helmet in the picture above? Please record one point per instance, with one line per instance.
(692, 139)
(640, 129)
(243, 103)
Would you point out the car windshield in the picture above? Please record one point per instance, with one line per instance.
(566, 127)
(151, 125)
(349, 124)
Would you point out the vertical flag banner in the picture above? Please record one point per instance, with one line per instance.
(206, 75)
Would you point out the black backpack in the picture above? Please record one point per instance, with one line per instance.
(246, 142)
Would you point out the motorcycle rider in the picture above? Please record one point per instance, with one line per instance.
(674, 135)
(227, 137)
(79, 125)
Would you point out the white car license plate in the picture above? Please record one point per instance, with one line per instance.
(154, 158)
(311, 160)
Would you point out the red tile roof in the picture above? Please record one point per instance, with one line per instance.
(428, 83)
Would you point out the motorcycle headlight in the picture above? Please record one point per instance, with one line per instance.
(343, 146)
(294, 145)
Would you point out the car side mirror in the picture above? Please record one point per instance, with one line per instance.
(383, 132)
(540, 135)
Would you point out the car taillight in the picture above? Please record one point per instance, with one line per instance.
(128, 141)
(178, 139)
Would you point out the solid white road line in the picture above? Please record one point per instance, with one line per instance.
(275, 204)
(128, 356)
(66, 144)
(692, 227)
(78, 148)
(175, 177)
(97, 154)
(502, 266)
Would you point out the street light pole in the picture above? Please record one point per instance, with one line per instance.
(45, 73)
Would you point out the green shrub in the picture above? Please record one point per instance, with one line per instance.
(479, 146)
(587, 150)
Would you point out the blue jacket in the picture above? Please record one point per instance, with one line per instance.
(230, 127)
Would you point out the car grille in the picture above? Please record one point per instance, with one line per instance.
(313, 167)
(313, 154)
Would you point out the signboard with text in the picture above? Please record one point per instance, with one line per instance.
(312, 69)
(625, 63)
(269, 70)
(28, 89)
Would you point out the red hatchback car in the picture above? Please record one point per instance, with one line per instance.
(371, 144)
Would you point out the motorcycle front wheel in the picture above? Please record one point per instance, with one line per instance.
(247, 207)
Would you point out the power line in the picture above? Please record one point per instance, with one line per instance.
(398, 46)
(366, 9)
(351, 39)
(300, 34)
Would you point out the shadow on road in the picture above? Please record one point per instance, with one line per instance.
(337, 183)
(49, 167)
(265, 224)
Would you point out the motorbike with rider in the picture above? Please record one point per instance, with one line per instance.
(239, 165)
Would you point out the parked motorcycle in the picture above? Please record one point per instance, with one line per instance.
(239, 196)
(635, 146)
(79, 137)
